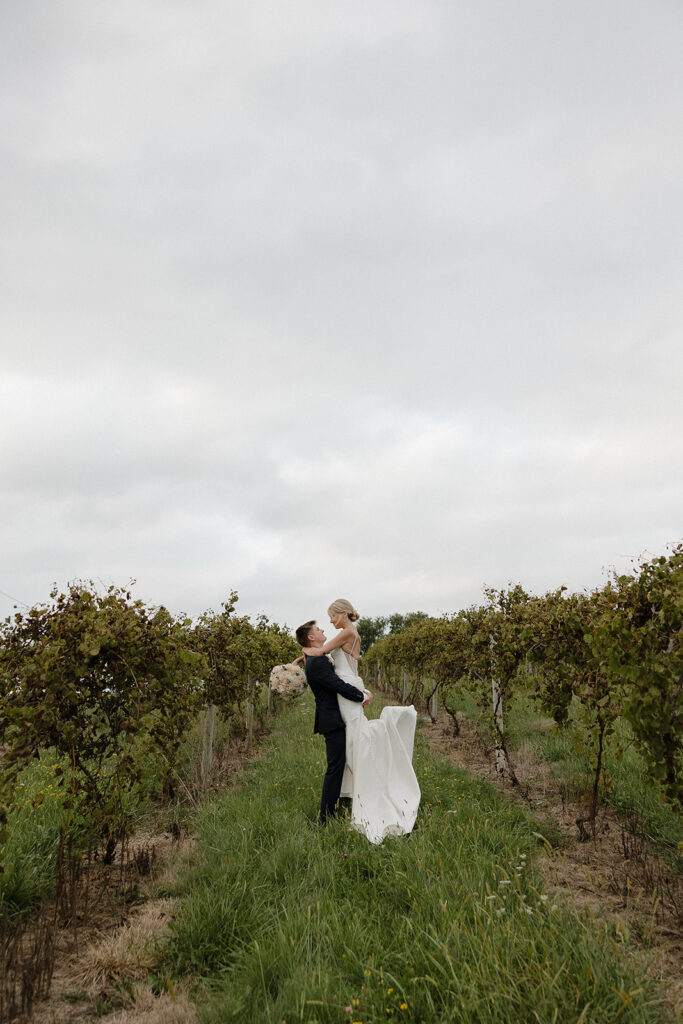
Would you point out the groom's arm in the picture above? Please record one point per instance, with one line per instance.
(322, 672)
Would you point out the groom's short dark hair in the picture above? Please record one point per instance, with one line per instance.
(302, 633)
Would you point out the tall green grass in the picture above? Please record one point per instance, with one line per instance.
(283, 920)
(34, 827)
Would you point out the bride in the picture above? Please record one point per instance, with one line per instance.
(379, 775)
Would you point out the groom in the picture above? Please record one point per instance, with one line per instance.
(326, 684)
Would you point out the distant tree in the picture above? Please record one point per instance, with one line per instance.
(371, 630)
(397, 622)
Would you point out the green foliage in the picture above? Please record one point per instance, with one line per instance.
(370, 630)
(464, 651)
(235, 649)
(34, 825)
(560, 630)
(632, 792)
(616, 651)
(641, 646)
(103, 680)
(397, 623)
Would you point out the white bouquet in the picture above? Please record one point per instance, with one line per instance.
(288, 681)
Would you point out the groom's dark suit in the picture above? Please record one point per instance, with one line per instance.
(326, 684)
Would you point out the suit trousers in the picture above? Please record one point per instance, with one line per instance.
(335, 742)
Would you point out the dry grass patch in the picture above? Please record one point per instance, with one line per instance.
(171, 854)
(130, 953)
(168, 1008)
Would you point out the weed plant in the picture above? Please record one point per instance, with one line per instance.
(281, 920)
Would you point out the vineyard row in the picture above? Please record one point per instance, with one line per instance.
(614, 653)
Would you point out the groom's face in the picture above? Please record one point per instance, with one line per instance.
(317, 637)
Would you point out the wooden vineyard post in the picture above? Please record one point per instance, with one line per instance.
(270, 700)
(250, 707)
(498, 722)
(435, 703)
(406, 686)
(207, 746)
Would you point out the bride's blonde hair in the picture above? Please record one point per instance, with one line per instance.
(340, 606)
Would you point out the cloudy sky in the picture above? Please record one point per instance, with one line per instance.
(375, 299)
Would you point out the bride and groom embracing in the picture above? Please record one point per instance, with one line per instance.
(368, 761)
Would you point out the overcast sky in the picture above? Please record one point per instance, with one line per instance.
(381, 300)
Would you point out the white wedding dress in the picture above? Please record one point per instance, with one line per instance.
(379, 775)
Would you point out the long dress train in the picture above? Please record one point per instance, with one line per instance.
(379, 774)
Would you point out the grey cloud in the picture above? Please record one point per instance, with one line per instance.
(381, 300)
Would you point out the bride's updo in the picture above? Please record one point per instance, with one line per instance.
(340, 606)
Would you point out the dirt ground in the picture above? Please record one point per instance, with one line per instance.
(108, 933)
(616, 876)
(101, 964)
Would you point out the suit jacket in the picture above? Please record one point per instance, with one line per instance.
(326, 684)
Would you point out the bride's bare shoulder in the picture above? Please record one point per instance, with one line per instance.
(351, 640)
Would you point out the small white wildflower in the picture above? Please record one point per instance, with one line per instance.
(528, 910)
(491, 897)
(505, 881)
(544, 897)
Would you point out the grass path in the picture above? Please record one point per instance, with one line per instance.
(282, 921)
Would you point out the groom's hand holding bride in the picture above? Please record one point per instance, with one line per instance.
(314, 652)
